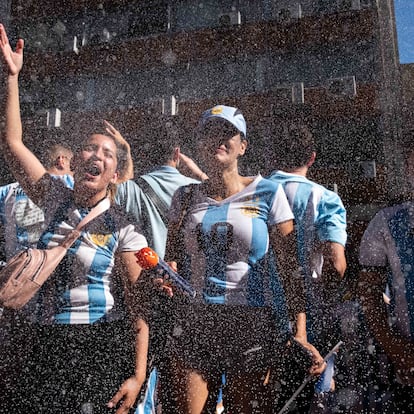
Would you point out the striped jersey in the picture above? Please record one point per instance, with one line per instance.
(83, 289)
(226, 242)
(389, 241)
(320, 216)
(22, 220)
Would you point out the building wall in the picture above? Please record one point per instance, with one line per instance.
(324, 62)
(407, 87)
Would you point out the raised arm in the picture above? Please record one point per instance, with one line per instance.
(188, 167)
(25, 166)
(116, 135)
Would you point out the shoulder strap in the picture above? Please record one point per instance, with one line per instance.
(187, 198)
(175, 242)
(160, 204)
(101, 207)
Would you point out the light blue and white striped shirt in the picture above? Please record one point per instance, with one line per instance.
(226, 242)
(84, 290)
(22, 220)
(320, 216)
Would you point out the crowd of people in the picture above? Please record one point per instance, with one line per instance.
(266, 256)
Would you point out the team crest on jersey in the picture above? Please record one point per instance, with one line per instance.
(217, 110)
(251, 208)
(100, 239)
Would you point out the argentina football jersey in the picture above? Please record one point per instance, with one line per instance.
(319, 216)
(22, 219)
(92, 295)
(225, 259)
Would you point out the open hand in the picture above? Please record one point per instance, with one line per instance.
(117, 136)
(14, 60)
(126, 396)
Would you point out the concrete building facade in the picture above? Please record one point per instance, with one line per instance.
(333, 63)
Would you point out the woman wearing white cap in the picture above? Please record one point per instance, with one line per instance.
(219, 235)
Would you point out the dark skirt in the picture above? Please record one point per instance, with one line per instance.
(77, 368)
(217, 338)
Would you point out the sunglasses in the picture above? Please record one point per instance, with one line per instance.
(218, 131)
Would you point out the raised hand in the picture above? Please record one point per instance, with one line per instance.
(116, 135)
(14, 60)
(190, 168)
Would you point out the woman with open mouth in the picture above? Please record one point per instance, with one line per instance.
(83, 357)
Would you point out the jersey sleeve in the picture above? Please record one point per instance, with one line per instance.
(372, 249)
(331, 222)
(131, 239)
(67, 179)
(280, 210)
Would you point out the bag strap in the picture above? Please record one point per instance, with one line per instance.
(100, 208)
(160, 204)
(187, 193)
(187, 199)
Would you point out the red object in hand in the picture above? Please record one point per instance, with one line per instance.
(147, 258)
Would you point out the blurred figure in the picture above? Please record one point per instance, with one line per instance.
(58, 160)
(85, 355)
(22, 223)
(23, 220)
(387, 261)
(148, 198)
(320, 221)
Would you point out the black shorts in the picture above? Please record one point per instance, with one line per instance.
(217, 338)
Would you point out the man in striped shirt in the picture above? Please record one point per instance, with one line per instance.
(320, 221)
(23, 220)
